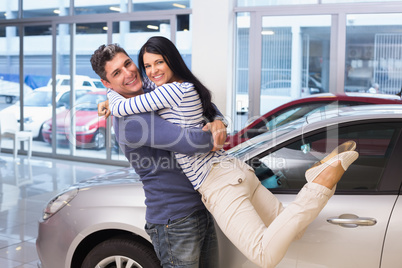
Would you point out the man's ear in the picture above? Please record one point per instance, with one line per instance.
(106, 83)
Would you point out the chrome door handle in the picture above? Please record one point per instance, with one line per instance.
(352, 221)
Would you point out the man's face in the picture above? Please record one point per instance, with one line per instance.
(123, 76)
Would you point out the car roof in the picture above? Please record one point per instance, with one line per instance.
(314, 122)
(363, 97)
(374, 95)
(62, 88)
(98, 92)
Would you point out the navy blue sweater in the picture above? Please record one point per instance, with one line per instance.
(148, 142)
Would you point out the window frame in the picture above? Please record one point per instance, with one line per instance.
(338, 13)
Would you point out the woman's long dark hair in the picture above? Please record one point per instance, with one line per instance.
(163, 46)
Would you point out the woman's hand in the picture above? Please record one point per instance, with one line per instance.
(219, 133)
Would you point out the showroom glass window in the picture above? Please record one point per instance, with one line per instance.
(8, 10)
(37, 73)
(293, 60)
(241, 3)
(133, 34)
(373, 60)
(279, 58)
(79, 131)
(34, 9)
(59, 38)
(9, 75)
(84, 7)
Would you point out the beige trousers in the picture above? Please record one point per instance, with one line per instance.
(252, 217)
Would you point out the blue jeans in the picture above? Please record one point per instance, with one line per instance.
(188, 242)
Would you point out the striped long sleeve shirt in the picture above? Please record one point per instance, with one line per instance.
(178, 103)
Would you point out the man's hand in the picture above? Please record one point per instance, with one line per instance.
(103, 109)
(219, 133)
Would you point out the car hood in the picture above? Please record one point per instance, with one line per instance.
(42, 113)
(117, 177)
(82, 118)
(118, 189)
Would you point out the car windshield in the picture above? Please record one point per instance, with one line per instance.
(288, 115)
(38, 99)
(99, 84)
(316, 115)
(89, 102)
(246, 147)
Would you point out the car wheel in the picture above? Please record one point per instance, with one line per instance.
(40, 135)
(99, 140)
(121, 252)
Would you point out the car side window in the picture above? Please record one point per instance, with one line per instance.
(64, 100)
(280, 118)
(65, 82)
(285, 167)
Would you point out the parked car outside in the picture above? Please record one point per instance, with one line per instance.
(80, 81)
(359, 227)
(278, 92)
(300, 107)
(38, 106)
(90, 129)
(11, 90)
(98, 84)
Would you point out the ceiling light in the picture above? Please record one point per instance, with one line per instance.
(179, 5)
(56, 11)
(267, 32)
(153, 27)
(105, 28)
(115, 9)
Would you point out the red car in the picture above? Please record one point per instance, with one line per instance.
(90, 129)
(300, 107)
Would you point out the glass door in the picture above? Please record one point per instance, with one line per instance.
(278, 59)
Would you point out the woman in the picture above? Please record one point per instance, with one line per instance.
(249, 214)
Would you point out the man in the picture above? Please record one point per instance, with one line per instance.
(181, 229)
(374, 88)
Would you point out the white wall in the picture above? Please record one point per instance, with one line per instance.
(212, 51)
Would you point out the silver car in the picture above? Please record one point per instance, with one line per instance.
(103, 218)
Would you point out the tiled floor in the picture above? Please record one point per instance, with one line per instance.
(25, 187)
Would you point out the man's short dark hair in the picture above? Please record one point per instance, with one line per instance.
(102, 55)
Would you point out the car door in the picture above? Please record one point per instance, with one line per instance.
(392, 249)
(364, 199)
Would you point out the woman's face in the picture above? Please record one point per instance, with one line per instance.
(157, 69)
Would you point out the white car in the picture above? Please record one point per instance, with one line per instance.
(80, 81)
(38, 106)
(277, 92)
(359, 227)
(11, 90)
